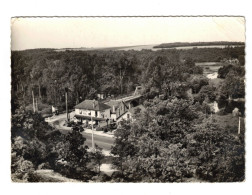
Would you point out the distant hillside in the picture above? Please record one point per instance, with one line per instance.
(187, 44)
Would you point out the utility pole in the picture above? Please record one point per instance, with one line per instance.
(92, 126)
(55, 85)
(39, 93)
(92, 132)
(66, 89)
(239, 126)
(33, 102)
(36, 105)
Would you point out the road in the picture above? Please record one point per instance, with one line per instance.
(104, 142)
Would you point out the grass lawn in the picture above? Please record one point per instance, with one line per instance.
(216, 82)
(229, 121)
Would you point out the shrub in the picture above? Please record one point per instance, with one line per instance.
(44, 166)
(102, 177)
(222, 112)
(105, 130)
(99, 129)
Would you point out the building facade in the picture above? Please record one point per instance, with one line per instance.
(90, 109)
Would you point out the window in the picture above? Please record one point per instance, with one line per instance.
(128, 116)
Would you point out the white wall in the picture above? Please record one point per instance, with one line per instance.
(113, 116)
(76, 111)
(84, 112)
(106, 113)
(125, 117)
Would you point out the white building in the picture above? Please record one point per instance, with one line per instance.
(91, 108)
(129, 115)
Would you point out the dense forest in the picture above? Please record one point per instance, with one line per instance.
(177, 138)
(47, 73)
(194, 44)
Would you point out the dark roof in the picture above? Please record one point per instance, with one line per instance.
(112, 103)
(92, 105)
(133, 110)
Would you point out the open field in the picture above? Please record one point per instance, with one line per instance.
(209, 67)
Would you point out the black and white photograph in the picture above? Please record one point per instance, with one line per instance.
(128, 99)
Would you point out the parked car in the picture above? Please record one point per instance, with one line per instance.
(69, 123)
(104, 129)
(90, 126)
(113, 126)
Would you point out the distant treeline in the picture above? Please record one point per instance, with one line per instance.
(187, 44)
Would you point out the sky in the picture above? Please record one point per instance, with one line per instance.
(30, 33)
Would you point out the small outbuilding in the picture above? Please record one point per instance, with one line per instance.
(129, 115)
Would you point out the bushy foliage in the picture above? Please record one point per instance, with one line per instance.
(97, 157)
(237, 70)
(167, 76)
(35, 145)
(152, 149)
(233, 86)
(73, 155)
(28, 135)
(47, 72)
(207, 93)
(223, 71)
(172, 142)
(168, 142)
(220, 153)
(197, 82)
